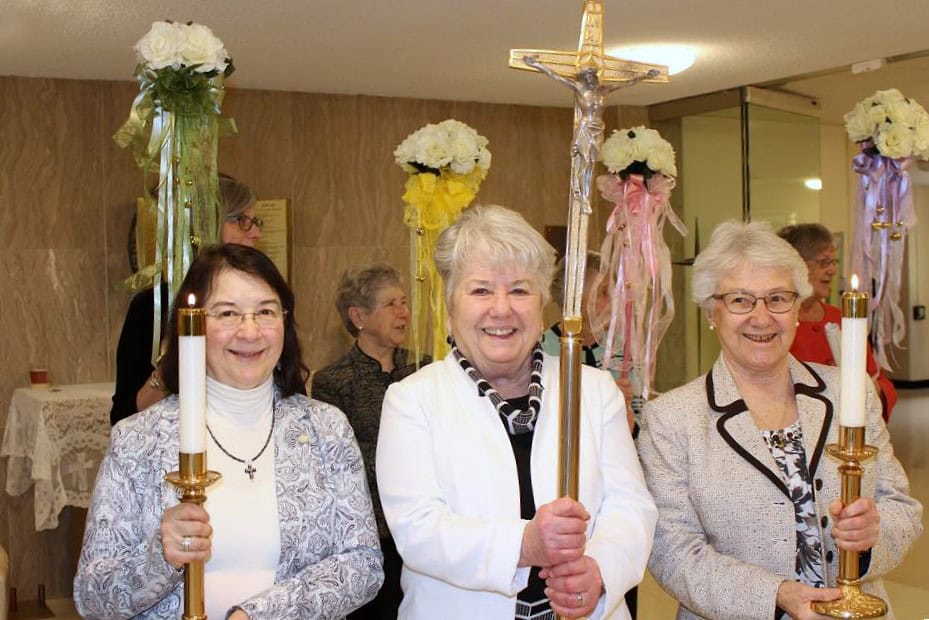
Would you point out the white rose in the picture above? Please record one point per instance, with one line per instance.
(483, 159)
(921, 134)
(894, 140)
(891, 95)
(857, 124)
(160, 47)
(203, 48)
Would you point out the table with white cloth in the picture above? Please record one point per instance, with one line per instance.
(55, 439)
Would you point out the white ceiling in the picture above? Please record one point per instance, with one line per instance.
(457, 49)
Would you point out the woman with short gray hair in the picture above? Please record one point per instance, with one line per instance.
(467, 454)
(750, 517)
(372, 305)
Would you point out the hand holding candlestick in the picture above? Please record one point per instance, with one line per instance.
(852, 451)
(192, 479)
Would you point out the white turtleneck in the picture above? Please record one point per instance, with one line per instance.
(243, 512)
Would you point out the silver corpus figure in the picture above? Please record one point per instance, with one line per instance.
(589, 97)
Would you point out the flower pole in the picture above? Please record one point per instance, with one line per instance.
(446, 163)
(173, 129)
(636, 260)
(893, 132)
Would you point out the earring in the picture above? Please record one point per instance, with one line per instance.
(797, 324)
(360, 327)
(712, 327)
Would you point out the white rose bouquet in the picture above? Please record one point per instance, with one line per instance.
(638, 151)
(890, 123)
(450, 144)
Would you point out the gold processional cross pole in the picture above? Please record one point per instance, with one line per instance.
(592, 76)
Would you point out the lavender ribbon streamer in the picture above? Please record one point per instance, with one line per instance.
(884, 216)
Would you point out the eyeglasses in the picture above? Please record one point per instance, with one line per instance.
(824, 263)
(231, 319)
(245, 222)
(778, 302)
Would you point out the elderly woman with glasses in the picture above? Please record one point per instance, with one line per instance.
(467, 458)
(372, 305)
(750, 520)
(813, 343)
(138, 383)
(289, 531)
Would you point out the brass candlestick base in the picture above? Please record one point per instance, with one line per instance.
(851, 451)
(191, 483)
(853, 604)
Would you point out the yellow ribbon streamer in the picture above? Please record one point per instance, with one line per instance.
(433, 203)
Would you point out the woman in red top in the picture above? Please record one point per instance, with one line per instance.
(815, 244)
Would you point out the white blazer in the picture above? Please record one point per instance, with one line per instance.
(449, 488)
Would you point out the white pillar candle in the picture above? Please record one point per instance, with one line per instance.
(191, 368)
(854, 356)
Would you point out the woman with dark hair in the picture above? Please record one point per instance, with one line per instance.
(372, 306)
(138, 383)
(289, 530)
(816, 245)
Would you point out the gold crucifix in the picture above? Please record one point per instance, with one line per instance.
(592, 76)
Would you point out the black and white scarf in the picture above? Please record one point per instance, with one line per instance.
(517, 420)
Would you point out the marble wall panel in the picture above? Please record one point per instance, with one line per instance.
(49, 180)
(260, 154)
(347, 187)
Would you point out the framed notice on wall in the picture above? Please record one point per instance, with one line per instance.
(274, 241)
(275, 236)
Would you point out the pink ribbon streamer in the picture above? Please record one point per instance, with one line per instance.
(637, 264)
(883, 216)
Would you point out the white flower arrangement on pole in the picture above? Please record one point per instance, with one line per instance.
(173, 129)
(635, 260)
(892, 131)
(446, 163)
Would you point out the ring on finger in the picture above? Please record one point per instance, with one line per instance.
(185, 543)
(580, 599)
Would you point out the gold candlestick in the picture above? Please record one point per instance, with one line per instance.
(854, 603)
(191, 483)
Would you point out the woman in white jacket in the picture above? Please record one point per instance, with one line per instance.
(467, 453)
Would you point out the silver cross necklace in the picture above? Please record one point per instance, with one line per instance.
(249, 464)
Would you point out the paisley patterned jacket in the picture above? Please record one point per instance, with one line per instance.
(330, 561)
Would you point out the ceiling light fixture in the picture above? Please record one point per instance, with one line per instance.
(676, 57)
(815, 184)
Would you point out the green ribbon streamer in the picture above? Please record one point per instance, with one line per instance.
(178, 110)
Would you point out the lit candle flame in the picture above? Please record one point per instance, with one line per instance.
(192, 299)
(854, 282)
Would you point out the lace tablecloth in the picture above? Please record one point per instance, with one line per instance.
(56, 439)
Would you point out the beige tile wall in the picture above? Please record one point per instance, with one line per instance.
(67, 195)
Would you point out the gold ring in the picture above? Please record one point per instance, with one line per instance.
(185, 543)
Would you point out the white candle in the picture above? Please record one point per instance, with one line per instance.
(191, 368)
(854, 356)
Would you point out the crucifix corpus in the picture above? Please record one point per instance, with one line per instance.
(592, 76)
